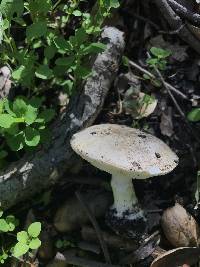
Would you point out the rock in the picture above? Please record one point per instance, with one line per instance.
(71, 215)
(179, 227)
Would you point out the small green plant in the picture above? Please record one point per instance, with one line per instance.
(23, 123)
(43, 52)
(63, 243)
(138, 104)
(158, 58)
(27, 240)
(194, 115)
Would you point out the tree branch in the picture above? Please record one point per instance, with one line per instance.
(40, 170)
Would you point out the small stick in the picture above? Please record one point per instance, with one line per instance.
(74, 260)
(175, 102)
(95, 225)
(184, 12)
(169, 86)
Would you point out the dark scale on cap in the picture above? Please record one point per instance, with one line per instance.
(157, 155)
(135, 164)
(142, 135)
(92, 133)
(176, 161)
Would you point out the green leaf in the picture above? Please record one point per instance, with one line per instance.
(4, 227)
(39, 7)
(46, 116)
(19, 107)
(22, 237)
(12, 222)
(152, 61)
(114, 3)
(13, 130)
(11, 7)
(50, 51)
(44, 72)
(125, 61)
(62, 44)
(65, 61)
(18, 73)
(32, 136)
(15, 142)
(7, 106)
(94, 48)
(31, 114)
(34, 229)
(2, 101)
(6, 120)
(194, 115)
(36, 30)
(3, 154)
(77, 13)
(82, 72)
(59, 243)
(159, 52)
(36, 102)
(20, 249)
(35, 243)
(79, 38)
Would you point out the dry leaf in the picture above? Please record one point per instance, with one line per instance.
(166, 124)
(177, 257)
(139, 105)
(179, 227)
(195, 30)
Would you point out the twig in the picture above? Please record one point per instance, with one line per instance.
(175, 102)
(184, 12)
(152, 76)
(155, 26)
(74, 260)
(175, 22)
(173, 32)
(95, 225)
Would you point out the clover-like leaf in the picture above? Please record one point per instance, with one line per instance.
(32, 136)
(194, 115)
(34, 229)
(22, 237)
(20, 249)
(31, 114)
(12, 222)
(15, 142)
(6, 120)
(4, 227)
(35, 243)
(19, 107)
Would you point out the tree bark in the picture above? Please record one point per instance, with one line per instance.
(42, 169)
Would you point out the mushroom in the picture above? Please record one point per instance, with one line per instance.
(126, 153)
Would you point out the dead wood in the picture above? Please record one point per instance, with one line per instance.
(42, 169)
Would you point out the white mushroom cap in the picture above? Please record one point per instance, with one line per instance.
(123, 150)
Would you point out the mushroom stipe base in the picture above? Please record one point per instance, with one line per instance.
(130, 225)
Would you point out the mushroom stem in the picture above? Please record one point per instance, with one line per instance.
(123, 193)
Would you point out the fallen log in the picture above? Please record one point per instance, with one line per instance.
(42, 169)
